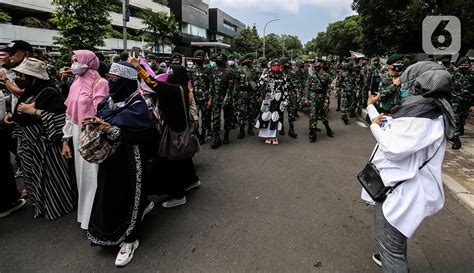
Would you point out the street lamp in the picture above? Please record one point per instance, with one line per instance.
(264, 28)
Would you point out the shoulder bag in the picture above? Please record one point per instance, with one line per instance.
(370, 179)
(178, 145)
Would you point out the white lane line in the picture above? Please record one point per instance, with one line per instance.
(361, 124)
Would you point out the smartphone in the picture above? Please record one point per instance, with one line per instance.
(136, 52)
(374, 84)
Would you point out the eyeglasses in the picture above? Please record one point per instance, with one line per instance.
(19, 75)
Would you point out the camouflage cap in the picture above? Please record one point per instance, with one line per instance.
(199, 53)
(176, 55)
(299, 62)
(151, 56)
(462, 60)
(247, 56)
(262, 60)
(283, 60)
(222, 54)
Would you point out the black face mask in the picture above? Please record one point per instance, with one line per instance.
(286, 66)
(263, 65)
(446, 63)
(221, 62)
(397, 68)
(376, 64)
(199, 62)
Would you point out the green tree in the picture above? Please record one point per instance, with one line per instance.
(273, 46)
(82, 24)
(4, 17)
(292, 45)
(247, 41)
(160, 28)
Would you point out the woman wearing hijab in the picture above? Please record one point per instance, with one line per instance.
(40, 118)
(120, 201)
(409, 154)
(274, 88)
(178, 176)
(86, 92)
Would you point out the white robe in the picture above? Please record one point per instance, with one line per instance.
(404, 145)
(86, 177)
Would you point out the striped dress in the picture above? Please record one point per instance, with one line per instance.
(45, 171)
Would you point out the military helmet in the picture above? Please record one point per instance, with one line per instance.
(283, 60)
(462, 60)
(262, 60)
(247, 56)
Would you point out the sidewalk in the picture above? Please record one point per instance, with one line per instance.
(458, 165)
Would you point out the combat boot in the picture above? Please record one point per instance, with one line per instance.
(345, 119)
(312, 135)
(226, 137)
(202, 137)
(291, 132)
(352, 114)
(250, 131)
(242, 132)
(329, 132)
(456, 143)
(217, 142)
(282, 131)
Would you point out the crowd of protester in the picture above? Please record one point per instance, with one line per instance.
(45, 110)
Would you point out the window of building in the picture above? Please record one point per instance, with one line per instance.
(194, 30)
(230, 26)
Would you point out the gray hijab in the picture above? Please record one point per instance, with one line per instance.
(428, 87)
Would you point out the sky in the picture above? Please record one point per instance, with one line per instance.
(303, 18)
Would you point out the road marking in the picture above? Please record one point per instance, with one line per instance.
(361, 124)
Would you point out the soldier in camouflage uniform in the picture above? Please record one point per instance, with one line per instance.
(222, 79)
(246, 96)
(292, 98)
(299, 83)
(200, 79)
(365, 71)
(446, 62)
(359, 88)
(317, 98)
(462, 97)
(347, 85)
(389, 87)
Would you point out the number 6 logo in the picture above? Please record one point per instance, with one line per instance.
(441, 35)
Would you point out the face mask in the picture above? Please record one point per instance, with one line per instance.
(446, 63)
(263, 66)
(398, 68)
(21, 83)
(230, 63)
(220, 62)
(79, 69)
(199, 62)
(276, 68)
(212, 64)
(286, 66)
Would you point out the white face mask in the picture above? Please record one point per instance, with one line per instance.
(79, 69)
(230, 62)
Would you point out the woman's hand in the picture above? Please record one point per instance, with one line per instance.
(8, 119)
(134, 61)
(27, 108)
(373, 99)
(66, 151)
(378, 119)
(104, 126)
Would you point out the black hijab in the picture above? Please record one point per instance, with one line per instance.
(46, 97)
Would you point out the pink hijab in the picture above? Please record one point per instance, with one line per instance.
(82, 101)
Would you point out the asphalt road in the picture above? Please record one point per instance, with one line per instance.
(294, 207)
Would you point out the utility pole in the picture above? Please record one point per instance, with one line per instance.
(126, 18)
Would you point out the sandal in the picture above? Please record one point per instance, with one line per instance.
(268, 141)
(275, 142)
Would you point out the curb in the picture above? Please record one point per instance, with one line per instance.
(461, 193)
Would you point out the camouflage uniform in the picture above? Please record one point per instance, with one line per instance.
(292, 108)
(347, 86)
(317, 96)
(299, 82)
(390, 94)
(221, 85)
(462, 97)
(246, 97)
(200, 78)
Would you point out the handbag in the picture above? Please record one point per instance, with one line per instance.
(373, 184)
(178, 145)
(93, 147)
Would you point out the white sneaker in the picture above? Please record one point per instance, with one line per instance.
(377, 260)
(193, 185)
(125, 254)
(18, 204)
(174, 203)
(148, 208)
